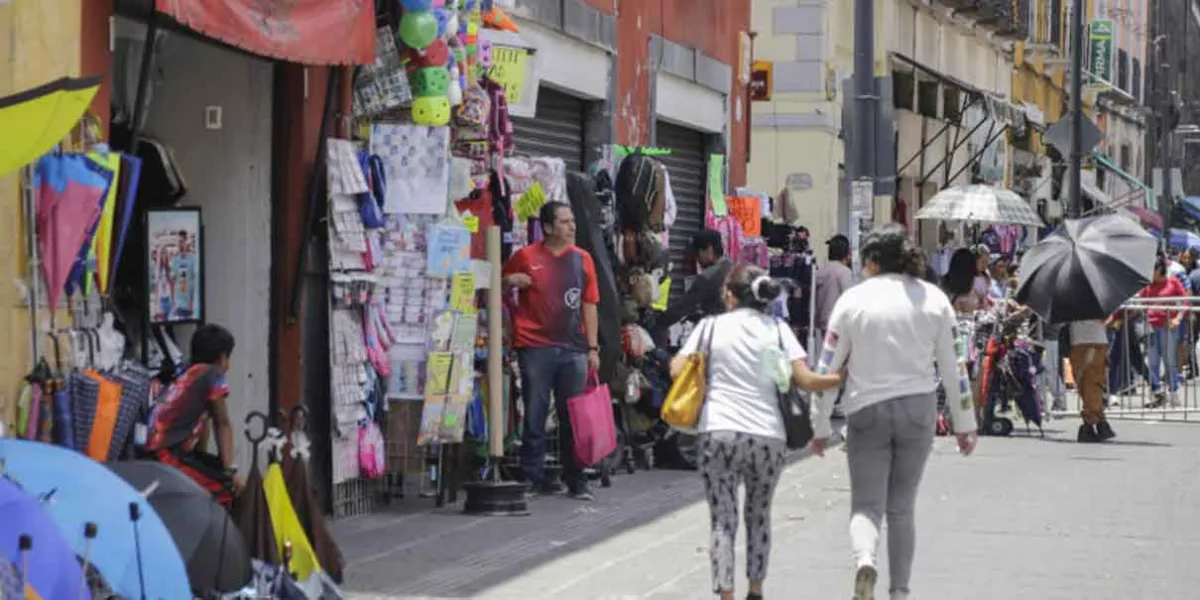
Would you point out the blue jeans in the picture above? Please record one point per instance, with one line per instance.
(1163, 343)
(547, 371)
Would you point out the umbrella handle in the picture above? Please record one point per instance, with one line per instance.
(262, 435)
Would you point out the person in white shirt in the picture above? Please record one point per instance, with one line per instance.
(750, 356)
(1089, 364)
(888, 332)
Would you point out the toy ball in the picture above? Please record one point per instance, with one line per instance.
(429, 81)
(452, 23)
(416, 5)
(485, 53)
(436, 55)
(431, 111)
(439, 3)
(418, 29)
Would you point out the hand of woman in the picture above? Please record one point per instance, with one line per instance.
(819, 445)
(967, 442)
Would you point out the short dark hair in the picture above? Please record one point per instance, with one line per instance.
(549, 213)
(708, 239)
(839, 247)
(211, 343)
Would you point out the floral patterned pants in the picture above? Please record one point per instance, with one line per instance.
(728, 459)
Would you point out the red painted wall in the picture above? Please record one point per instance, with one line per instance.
(95, 58)
(712, 27)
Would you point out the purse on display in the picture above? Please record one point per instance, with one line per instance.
(685, 399)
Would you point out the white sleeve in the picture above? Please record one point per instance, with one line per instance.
(692, 344)
(953, 367)
(834, 354)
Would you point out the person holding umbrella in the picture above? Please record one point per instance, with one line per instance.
(1089, 363)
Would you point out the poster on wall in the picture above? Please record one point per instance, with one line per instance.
(175, 265)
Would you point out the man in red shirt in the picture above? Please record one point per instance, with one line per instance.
(554, 333)
(1164, 326)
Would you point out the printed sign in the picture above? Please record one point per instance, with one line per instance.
(508, 69)
(748, 211)
(761, 81)
(1100, 50)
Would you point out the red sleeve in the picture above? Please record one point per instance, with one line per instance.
(1177, 288)
(517, 263)
(591, 290)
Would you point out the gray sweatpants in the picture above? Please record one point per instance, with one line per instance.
(887, 446)
(727, 459)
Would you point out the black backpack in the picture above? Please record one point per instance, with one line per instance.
(638, 191)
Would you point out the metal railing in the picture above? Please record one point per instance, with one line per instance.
(1140, 353)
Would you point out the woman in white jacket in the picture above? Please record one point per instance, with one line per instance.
(888, 332)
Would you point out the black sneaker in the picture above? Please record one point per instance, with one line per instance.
(753, 596)
(1105, 431)
(543, 488)
(1088, 435)
(581, 493)
(864, 583)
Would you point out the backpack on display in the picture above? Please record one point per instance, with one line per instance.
(639, 191)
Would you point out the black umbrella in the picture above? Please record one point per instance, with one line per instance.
(1086, 268)
(210, 543)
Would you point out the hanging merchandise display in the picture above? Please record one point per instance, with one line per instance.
(687, 165)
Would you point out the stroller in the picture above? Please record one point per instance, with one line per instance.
(1008, 375)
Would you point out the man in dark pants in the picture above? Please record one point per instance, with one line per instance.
(706, 292)
(555, 335)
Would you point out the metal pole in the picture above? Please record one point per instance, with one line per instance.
(1165, 125)
(1074, 185)
(29, 206)
(865, 98)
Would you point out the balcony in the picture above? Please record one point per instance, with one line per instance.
(1008, 18)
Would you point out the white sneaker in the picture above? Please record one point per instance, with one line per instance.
(864, 583)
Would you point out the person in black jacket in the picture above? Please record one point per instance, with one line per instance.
(705, 294)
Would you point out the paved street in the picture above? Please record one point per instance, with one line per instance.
(1023, 518)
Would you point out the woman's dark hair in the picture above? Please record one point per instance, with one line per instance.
(752, 287)
(889, 246)
(839, 247)
(549, 214)
(960, 274)
(210, 344)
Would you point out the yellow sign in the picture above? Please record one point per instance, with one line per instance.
(530, 202)
(508, 69)
(471, 222)
(462, 293)
(664, 292)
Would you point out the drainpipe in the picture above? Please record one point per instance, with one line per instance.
(865, 97)
(1074, 191)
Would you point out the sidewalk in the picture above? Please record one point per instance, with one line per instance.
(1023, 518)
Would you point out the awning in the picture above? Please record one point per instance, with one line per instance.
(315, 32)
(1107, 163)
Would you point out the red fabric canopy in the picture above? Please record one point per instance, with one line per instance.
(315, 32)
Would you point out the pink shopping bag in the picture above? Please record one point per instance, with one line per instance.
(592, 425)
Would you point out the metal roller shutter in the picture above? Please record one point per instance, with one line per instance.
(556, 131)
(686, 165)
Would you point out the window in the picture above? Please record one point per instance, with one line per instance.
(1122, 70)
(927, 98)
(1126, 157)
(1135, 80)
(903, 90)
(951, 104)
(1056, 23)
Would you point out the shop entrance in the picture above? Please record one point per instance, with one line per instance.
(686, 165)
(211, 109)
(557, 130)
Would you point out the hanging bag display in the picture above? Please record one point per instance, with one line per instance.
(370, 203)
(685, 399)
(593, 428)
(793, 409)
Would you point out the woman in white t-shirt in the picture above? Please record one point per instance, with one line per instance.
(750, 355)
(888, 332)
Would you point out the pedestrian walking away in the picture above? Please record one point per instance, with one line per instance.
(885, 332)
(751, 357)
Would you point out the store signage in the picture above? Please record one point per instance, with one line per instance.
(1100, 50)
(800, 182)
(315, 32)
(509, 65)
(761, 81)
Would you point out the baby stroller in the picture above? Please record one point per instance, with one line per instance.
(1008, 376)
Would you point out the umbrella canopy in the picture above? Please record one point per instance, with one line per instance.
(78, 491)
(208, 540)
(979, 204)
(37, 120)
(308, 509)
(1147, 217)
(49, 565)
(70, 190)
(1086, 269)
(1182, 239)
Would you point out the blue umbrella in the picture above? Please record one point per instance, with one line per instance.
(78, 491)
(1183, 239)
(49, 566)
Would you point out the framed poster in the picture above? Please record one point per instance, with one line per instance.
(175, 265)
